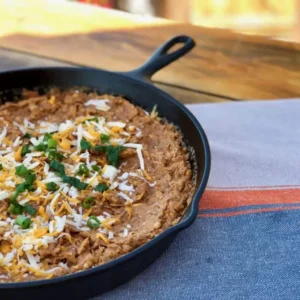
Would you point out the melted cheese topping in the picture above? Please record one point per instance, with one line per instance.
(62, 207)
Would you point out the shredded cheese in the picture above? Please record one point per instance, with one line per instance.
(55, 204)
(115, 124)
(132, 145)
(141, 159)
(109, 172)
(124, 196)
(3, 134)
(99, 104)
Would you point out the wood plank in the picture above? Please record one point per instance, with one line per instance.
(187, 96)
(10, 60)
(223, 63)
(45, 17)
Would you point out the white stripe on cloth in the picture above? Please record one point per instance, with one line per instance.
(253, 143)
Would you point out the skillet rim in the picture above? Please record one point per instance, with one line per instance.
(168, 232)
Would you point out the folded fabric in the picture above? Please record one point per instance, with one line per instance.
(245, 242)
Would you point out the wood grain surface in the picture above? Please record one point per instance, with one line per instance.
(11, 60)
(223, 65)
(44, 17)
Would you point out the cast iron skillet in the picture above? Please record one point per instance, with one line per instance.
(136, 87)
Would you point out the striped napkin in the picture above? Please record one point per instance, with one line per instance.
(245, 243)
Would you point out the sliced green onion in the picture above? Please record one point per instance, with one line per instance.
(85, 145)
(83, 170)
(40, 147)
(27, 135)
(52, 186)
(104, 138)
(51, 143)
(25, 150)
(95, 119)
(96, 168)
(113, 155)
(88, 202)
(1, 167)
(54, 154)
(93, 222)
(15, 196)
(30, 188)
(100, 148)
(73, 181)
(47, 136)
(21, 187)
(30, 210)
(101, 187)
(57, 167)
(21, 170)
(23, 222)
(30, 178)
(16, 209)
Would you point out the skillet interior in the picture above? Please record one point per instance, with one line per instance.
(141, 94)
(138, 92)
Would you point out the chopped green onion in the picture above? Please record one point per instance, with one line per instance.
(73, 181)
(100, 148)
(25, 150)
(30, 210)
(52, 186)
(30, 188)
(85, 145)
(104, 138)
(21, 170)
(96, 168)
(21, 187)
(15, 195)
(47, 136)
(83, 170)
(40, 147)
(53, 154)
(88, 202)
(112, 153)
(101, 187)
(93, 222)
(27, 135)
(30, 178)
(1, 167)
(52, 143)
(23, 222)
(57, 166)
(16, 209)
(95, 119)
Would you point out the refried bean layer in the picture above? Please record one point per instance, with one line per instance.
(84, 179)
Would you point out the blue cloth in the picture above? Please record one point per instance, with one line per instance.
(245, 243)
(254, 256)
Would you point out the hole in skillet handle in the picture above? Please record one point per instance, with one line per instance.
(162, 57)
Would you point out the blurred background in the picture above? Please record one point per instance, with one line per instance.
(273, 18)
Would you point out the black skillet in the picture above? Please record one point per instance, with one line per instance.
(135, 86)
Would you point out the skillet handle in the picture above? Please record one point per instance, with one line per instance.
(161, 58)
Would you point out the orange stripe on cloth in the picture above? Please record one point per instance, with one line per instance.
(221, 199)
(247, 211)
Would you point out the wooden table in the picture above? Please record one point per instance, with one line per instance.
(223, 66)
